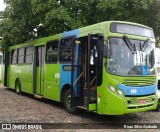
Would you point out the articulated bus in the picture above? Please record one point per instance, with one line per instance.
(107, 68)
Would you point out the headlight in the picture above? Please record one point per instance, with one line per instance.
(119, 92)
(112, 88)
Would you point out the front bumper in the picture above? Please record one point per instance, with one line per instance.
(116, 105)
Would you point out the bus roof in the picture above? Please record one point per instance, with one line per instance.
(42, 41)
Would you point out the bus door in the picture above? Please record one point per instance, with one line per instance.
(94, 62)
(6, 64)
(76, 74)
(38, 70)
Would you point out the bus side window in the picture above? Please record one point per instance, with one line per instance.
(14, 57)
(52, 52)
(21, 56)
(65, 50)
(28, 55)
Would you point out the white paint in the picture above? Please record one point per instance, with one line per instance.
(133, 91)
(57, 75)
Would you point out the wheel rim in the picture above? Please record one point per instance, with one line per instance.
(68, 101)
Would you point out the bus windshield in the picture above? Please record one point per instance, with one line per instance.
(122, 61)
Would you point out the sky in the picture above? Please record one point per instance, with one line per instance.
(2, 5)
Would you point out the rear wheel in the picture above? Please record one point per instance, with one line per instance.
(67, 103)
(18, 87)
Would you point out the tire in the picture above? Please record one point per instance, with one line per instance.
(18, 87)
(67, 103)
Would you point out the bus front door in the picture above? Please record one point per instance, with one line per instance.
(86, 72)
(38, 70)
(94, 57)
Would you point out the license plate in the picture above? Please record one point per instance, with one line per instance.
(141, 101)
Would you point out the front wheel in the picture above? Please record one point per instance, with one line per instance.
(18, 87)
(67, 103)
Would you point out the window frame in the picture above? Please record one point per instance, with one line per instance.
(20, 56)
(58, 43)
(69, 37)
(24, 55)
(28, 54)
(14, 56)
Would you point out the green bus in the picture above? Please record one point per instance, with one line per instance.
(108, 68)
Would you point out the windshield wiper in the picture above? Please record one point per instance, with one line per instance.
(130, 46)
(144, 45)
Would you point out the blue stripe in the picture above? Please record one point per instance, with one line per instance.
(71, 33)
(65, 76)
(138, 90)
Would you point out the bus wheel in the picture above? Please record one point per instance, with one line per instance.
(67, 103)
(18, 87)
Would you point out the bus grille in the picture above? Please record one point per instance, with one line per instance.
(136, 82)
(135, 100)
(132, 102)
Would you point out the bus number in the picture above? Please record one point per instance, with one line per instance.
(133, 91)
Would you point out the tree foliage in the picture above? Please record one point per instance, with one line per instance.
(29, 19)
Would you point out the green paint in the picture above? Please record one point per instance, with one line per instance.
(38, 80)
(52, 81)
(92, 107)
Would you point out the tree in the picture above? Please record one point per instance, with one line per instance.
(29, 19)
(17, 25)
